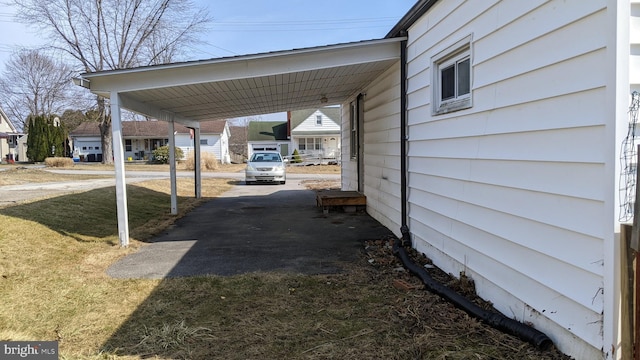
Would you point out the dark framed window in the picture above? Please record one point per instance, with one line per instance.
(353, 130)
(452, 78)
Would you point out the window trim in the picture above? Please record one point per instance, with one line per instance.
(453, 55)
(318, 120)
(353, 130)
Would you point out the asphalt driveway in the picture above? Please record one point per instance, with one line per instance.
(251, 229)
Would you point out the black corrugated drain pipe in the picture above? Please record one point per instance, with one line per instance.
(496, 320)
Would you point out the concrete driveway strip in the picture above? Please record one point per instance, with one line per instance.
(13, 194)
(252, 229)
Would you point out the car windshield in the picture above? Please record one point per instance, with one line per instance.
(266, 157)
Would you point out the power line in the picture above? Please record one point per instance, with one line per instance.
(305, 22)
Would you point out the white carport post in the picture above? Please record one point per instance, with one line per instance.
(172, 168)
(196, 160)
(121, 186)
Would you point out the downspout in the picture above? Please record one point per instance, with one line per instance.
(403, 136)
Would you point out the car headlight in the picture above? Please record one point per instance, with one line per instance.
(250, 168)
(278, 168)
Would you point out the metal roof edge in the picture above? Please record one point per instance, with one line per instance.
(176, 65)
(419, 9)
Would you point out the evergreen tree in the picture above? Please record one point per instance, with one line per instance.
(296, 158)
(47, 138)
(35, 143)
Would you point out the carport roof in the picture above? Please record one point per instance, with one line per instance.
(250, 84)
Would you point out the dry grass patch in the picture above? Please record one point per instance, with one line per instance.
(208, 161)
(23, 175)
(62, 162)
(53, 286)
(53, 257)
(321, 184)
(314, 169)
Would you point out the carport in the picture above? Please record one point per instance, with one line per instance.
(230, 87)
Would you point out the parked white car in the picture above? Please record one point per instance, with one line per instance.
(265, 166)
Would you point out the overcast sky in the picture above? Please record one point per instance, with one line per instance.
(242, 27)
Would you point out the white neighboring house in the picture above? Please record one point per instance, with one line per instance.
(512, 161)
(316, 133)
(142, 137)
(268, 136)
(8, 139)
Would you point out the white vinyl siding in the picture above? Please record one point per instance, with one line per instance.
(634, 61)
(209, 143)
(348, 167)
(381, 150)
(310, 125)
(506, 186)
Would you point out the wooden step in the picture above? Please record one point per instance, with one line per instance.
(329, 198)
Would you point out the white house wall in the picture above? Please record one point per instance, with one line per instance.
(501, 191)
(88, 145)
(634, 66)
(308, 126)
(4, 143)
(381, 150)
(348, 166)
(214, 145)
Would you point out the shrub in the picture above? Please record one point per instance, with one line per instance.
(207, 161)
(295, 157)
(58, 162)
(161, 154)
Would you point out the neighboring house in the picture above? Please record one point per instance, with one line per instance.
(21, 148)
(8, 139)
(514, 114)
(268, 135)
(142, 137)
(316, 133)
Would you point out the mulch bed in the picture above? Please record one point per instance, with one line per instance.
(433, 322)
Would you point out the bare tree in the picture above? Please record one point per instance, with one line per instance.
(34, 84)
(116, 34)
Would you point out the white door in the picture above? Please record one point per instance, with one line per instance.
(330, 148)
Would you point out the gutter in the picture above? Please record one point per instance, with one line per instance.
(416, 11)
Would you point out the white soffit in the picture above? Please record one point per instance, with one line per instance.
(251, 84)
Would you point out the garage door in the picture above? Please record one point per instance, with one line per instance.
(265, 147)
